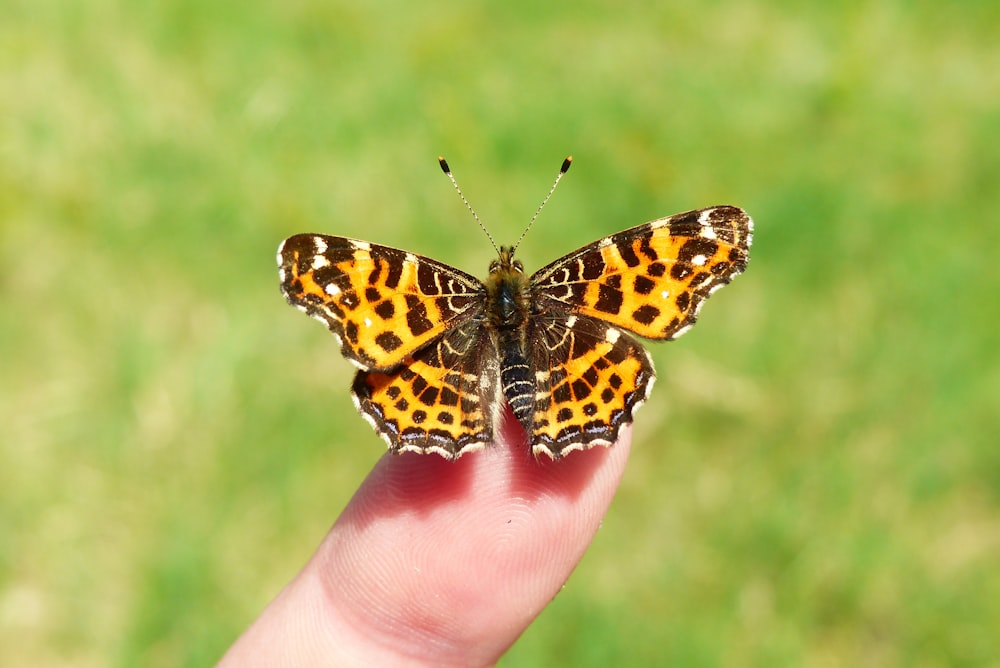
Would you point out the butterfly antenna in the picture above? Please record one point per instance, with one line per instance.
(562, 170)
(447, 172)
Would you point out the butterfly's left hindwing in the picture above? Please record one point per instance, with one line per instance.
(590, 379)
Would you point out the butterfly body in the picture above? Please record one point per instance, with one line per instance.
(441, 352)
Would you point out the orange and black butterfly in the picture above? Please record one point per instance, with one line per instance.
(440, 351)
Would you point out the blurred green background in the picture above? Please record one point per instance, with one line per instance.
(816, 480)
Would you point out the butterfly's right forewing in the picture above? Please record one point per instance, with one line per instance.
(382, 304)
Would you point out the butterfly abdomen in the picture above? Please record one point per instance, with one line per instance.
(515, 378)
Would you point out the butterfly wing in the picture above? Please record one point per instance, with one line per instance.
(435, 401)
(589, 379)
(381, 303)
(651, 279)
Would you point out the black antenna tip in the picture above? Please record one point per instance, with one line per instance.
(566, 163)
(444, 165)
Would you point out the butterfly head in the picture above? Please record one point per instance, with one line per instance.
(505, 263)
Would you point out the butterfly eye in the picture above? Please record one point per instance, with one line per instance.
(518, 267)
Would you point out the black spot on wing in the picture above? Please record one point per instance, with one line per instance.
(416, 319)
(683, 301)
(394, 274)
(351, 331)
(581, 389)
(429, 396)
(593, 266)
(645, 314)
(623, 243)
(643, 285)
(388, 341)
(697, 246)
(609, 300)
(448, 397)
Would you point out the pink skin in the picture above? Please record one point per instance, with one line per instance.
(437, 563)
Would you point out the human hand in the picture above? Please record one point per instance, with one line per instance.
(438, 563)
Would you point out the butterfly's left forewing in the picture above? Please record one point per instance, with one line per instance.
(651, 279)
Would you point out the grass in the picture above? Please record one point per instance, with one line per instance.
(828, 488)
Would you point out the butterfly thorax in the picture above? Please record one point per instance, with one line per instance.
(508, 303)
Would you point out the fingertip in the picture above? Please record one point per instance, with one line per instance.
(495, 534)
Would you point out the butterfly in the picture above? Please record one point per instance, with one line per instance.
(440, 352)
